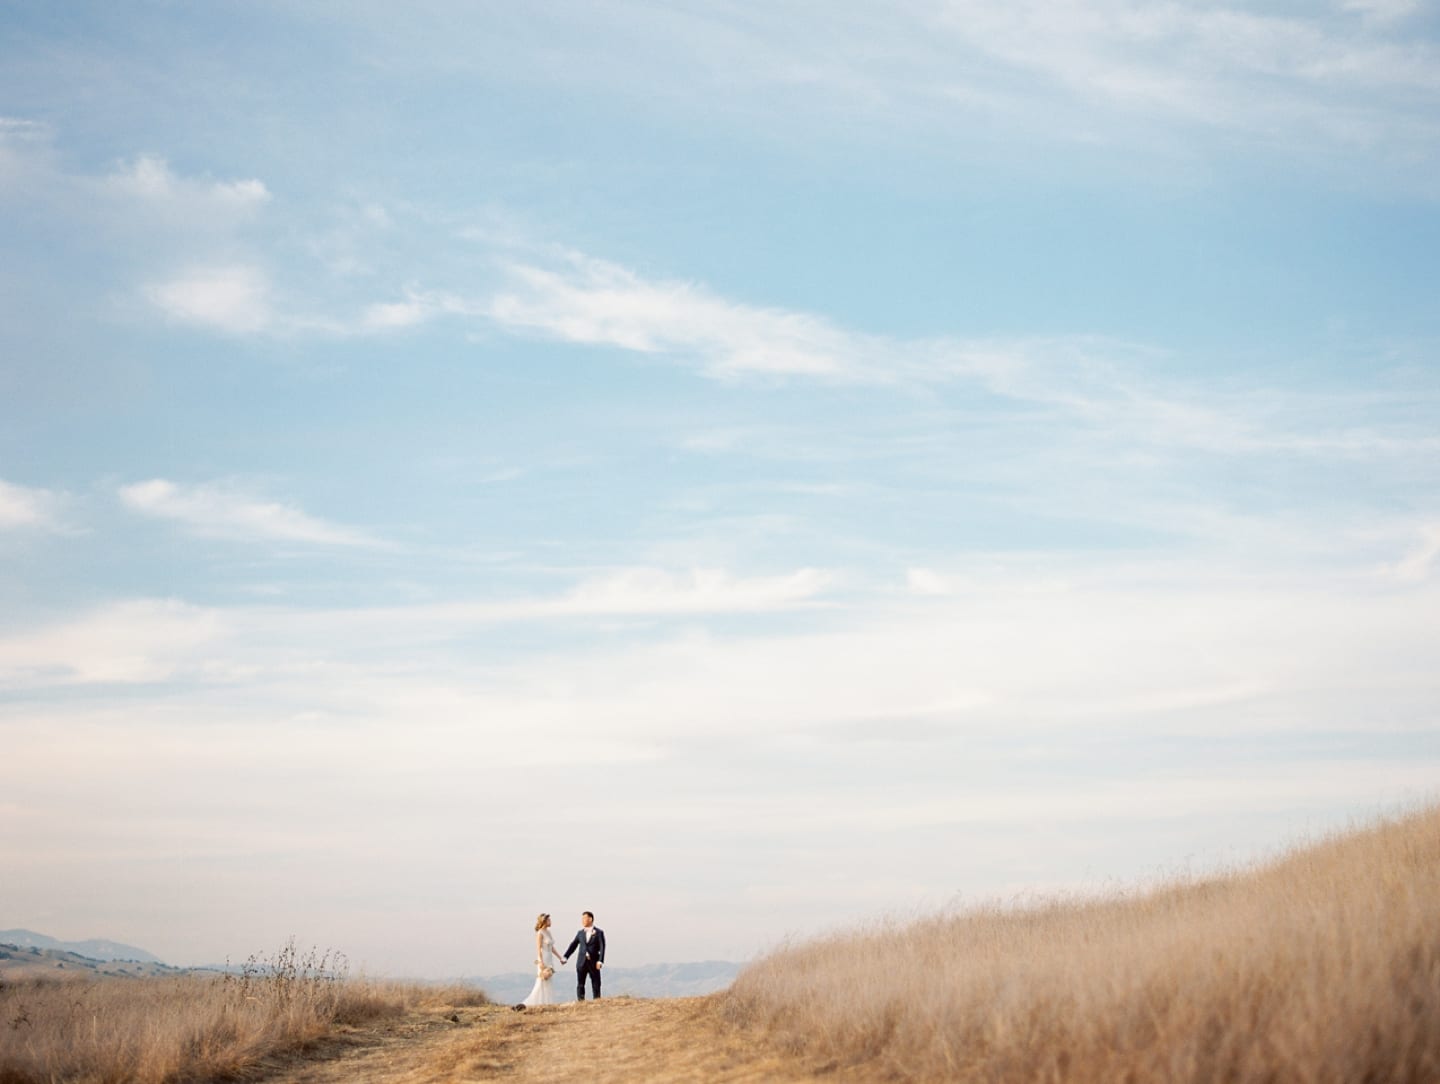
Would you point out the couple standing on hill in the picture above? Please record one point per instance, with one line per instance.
(589, 940)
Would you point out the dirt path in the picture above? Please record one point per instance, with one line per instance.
(606, 1042)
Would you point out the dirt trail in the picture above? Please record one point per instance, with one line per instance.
(599, 1042)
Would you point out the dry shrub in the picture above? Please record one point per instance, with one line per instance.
(192, 1027)
(1323, 966)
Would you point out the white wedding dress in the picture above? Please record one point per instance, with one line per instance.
(543, 992)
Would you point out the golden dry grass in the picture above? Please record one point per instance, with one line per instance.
(1323, 966)
(188, 1028)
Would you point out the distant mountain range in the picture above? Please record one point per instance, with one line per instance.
(92, 949)
(19, 961)
(653, 980)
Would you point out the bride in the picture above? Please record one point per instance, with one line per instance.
(546, 963)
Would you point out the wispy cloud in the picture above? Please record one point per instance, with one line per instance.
(926, 581)
(27, 507)
(580, 299)
(418, 307)
(1094, 382)
(642, 592)
(173, 640)
(657, 592)
(1201, 61)
(233, 299)
(1178, 647)
(1417, 564)
(1318, 78)
(1155, 77)
(143, 191)
(143, 640)
(586, 300)
(218, 511)
(149, 178)
(156, 218)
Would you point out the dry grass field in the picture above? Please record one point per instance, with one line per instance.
(154, 1030)
(1323, 966)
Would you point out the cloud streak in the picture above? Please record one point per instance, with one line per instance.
(150, 179)
(1179, 646)
(137, 641)
(1202, 62)
(172, 640)
(1157, 77)
(26, 507)
(603, 304)
(1092, 381)
(216, 511)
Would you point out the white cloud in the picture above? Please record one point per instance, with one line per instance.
(1100, 383)
(136, 641)
(27, 507)
(631, 592)
(1181, 648)
(1286, 76)
(1158, 77)
(1416, 564)
(233, 299)
(653, 591)
(221, 512)
(586, 300)
(159, 216)
(396, 314)
(600, 303)
(417, 308)
(926, 581)
(150, 178)
(270, 647)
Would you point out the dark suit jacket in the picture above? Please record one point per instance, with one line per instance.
(594, 948)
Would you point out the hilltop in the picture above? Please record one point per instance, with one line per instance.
(93, 949)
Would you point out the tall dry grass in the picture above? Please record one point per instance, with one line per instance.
(192, 1027)
(1323, 966)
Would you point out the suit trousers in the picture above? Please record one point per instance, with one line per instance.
(587, 967)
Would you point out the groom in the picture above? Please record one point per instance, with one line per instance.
(590, 940)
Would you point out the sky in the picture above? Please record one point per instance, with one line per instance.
(744, 469)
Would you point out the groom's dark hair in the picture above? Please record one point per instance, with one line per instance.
(590, 913)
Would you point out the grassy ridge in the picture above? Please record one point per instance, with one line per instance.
(162, 1030)
(1322, 966)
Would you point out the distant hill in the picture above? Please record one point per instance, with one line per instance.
(92, 949)
(18, 962)
(653, 980)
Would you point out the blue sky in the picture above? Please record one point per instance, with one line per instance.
(741, 469)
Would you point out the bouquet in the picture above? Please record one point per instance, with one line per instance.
(547, 972)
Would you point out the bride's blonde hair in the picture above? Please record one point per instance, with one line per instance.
(540, 922)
